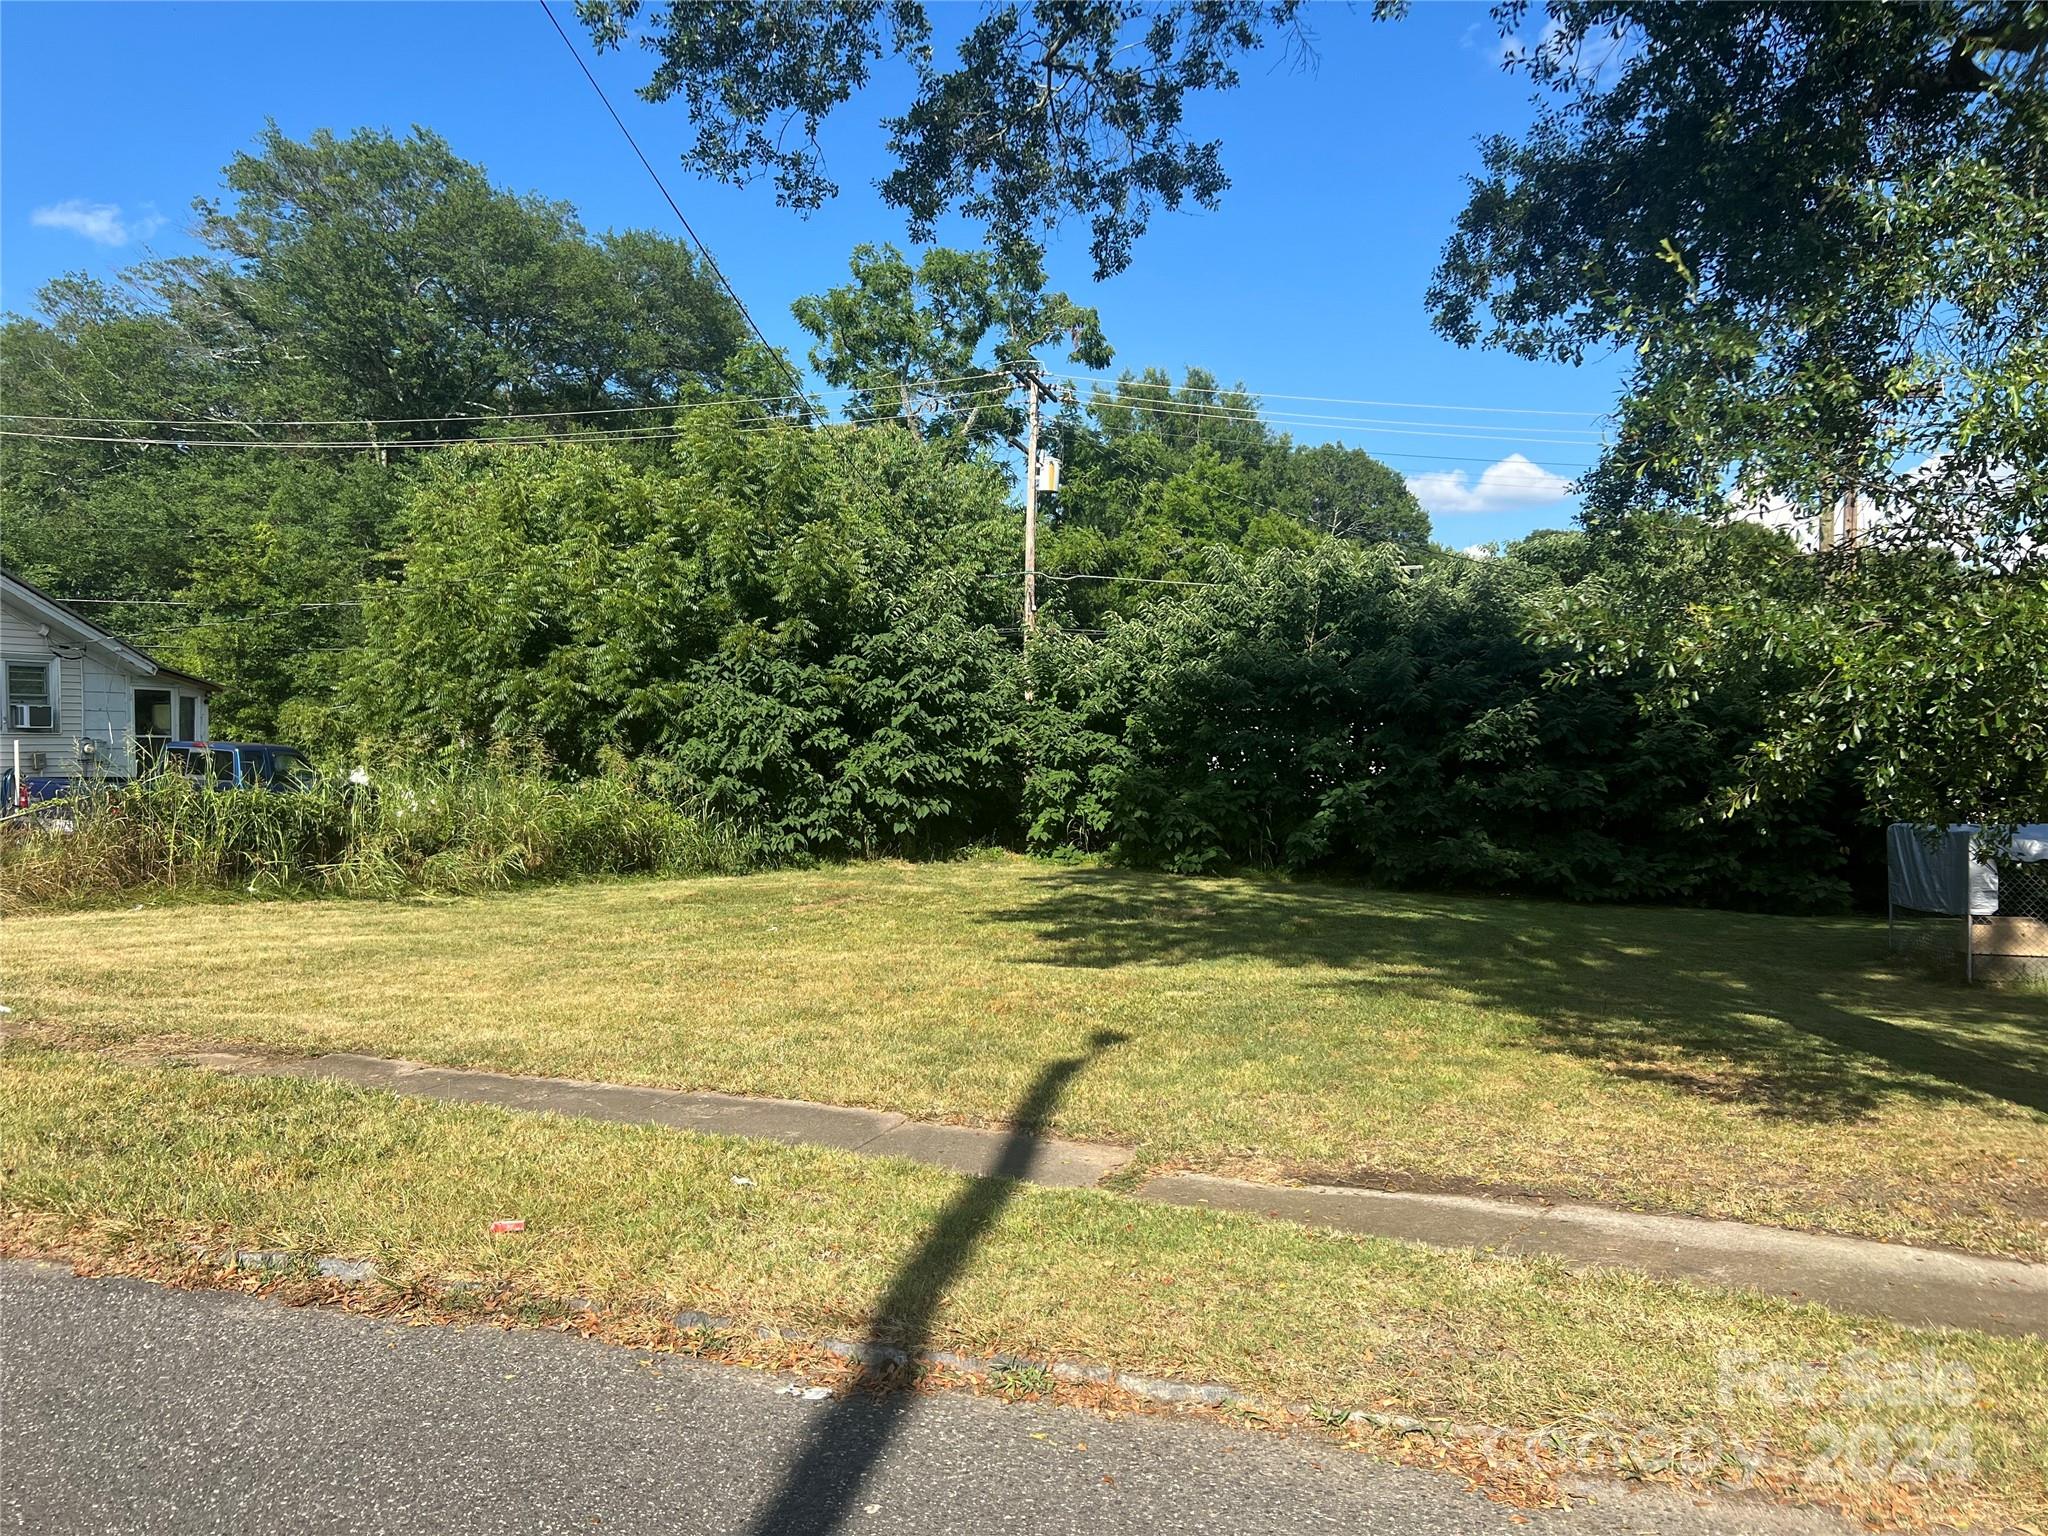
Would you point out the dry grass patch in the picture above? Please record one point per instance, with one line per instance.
(1760, 1068)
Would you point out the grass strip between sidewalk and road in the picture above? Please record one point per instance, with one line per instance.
(1763, 1069)
(106, 1158)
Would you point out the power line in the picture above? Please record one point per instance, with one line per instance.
(1183, 410)
(1146, 581)
(189, 602)
(1404, 405)
(405, 421)
(674, 207)
(1252, 414)
(600, 439)
(1387, 426)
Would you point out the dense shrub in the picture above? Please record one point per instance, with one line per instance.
(810, 635)
(798, 624)
(1338, 709)
(477, 829)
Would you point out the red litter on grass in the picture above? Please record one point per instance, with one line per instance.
(513, 1224)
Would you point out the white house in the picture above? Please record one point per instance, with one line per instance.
(78, 701)
(1816, 529)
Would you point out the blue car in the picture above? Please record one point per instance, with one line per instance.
(241, 765)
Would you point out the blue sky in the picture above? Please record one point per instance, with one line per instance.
(1308, 282)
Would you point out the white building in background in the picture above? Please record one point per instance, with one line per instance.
(77, 701)
(1814, 530)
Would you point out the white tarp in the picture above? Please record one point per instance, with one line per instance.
(1941, 870)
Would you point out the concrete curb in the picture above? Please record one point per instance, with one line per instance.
(1921, 1287)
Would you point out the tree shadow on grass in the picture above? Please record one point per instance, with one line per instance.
(818, 1490)
(1794, 1017)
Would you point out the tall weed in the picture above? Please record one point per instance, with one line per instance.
(422, 831)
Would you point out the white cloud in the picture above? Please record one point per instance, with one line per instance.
(1477, 551)
(1514, 482)
(101, 223)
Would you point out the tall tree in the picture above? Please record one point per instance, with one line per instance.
(349, 280)
(399, 282)
(1344, 492)
(1053, 109)
(1820, 232)
(1157, 475)
(919, 343)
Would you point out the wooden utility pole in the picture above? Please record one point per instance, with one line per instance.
(1850, 517)
(1031, 508)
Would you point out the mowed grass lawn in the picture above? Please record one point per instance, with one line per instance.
(1768, 1069)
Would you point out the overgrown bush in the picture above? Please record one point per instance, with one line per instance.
(452, 831)
(811, 635)
(1339, 709)
(799, 624)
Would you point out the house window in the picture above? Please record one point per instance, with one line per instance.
(30, 704)
(152, 723)
(188, 717)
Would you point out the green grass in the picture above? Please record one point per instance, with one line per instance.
(1762, 1068)
(110, 1159)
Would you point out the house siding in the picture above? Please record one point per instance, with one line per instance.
(22, 639)
(109, 716)
(94, 694)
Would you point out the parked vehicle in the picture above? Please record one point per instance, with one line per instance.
(242, 765)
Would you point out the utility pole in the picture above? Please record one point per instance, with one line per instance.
(1031, 508)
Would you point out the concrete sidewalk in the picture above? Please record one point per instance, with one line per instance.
(1919, 1286)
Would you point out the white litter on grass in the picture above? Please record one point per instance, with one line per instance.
(740, 1181)
(5, 1009)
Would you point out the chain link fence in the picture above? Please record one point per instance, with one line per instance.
(1993, 924)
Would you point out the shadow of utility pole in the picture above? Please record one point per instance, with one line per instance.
(849, 1438)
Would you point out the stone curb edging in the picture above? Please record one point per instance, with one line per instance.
(1158, 1389)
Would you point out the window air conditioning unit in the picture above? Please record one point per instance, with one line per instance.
(32, 717)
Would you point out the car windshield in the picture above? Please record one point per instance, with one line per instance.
(292, 770)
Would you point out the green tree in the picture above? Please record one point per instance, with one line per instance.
(1817, 230)
(391, 280)
(350, 280)
(1332, 708)
(1343, 492)
(1052, 109)
(920, 343)
(1156, 475)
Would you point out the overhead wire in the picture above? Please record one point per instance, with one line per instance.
(1190, 411)
(674, 207)
(636, 437)
(916, 384)
(1264, 394)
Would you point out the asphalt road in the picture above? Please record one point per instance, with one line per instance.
(126, 1407)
